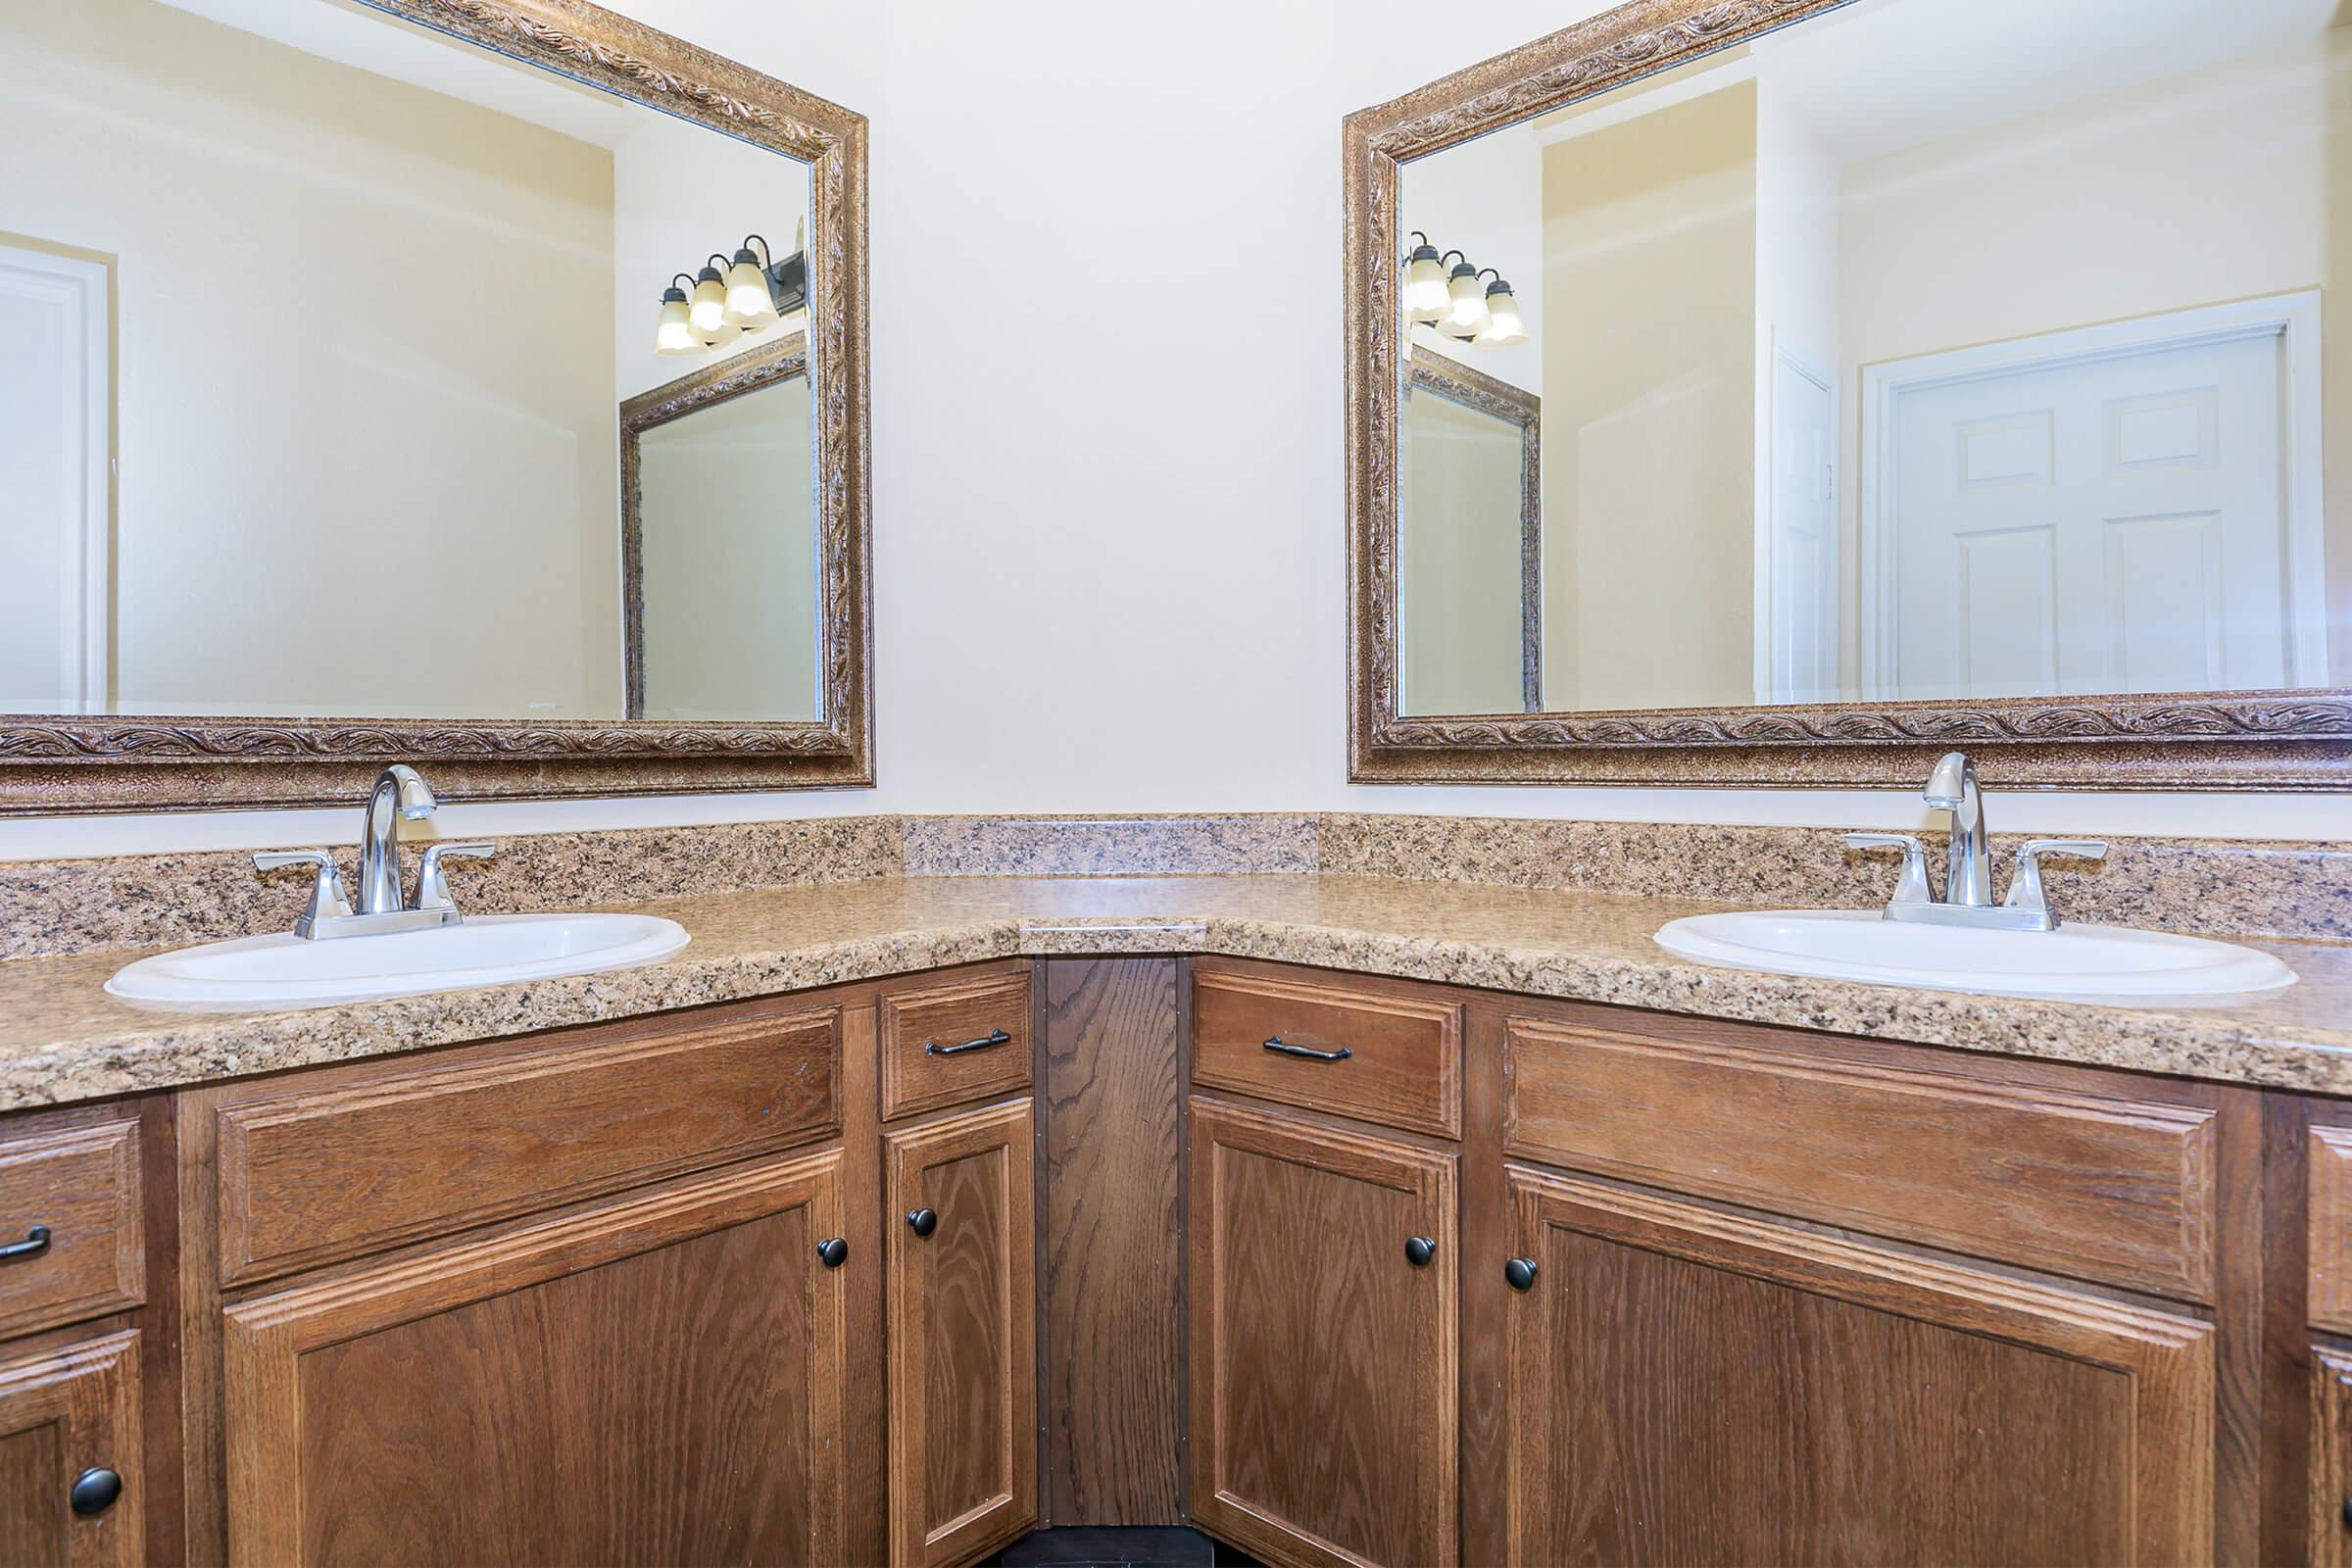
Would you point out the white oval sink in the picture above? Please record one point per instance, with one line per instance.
(488, 950)
(2073, 964)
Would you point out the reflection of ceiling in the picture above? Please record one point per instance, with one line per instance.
(1883, 75)
(371, 40)
(1893, 73)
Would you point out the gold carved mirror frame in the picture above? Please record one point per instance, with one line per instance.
(106, 763)
(2257, 739)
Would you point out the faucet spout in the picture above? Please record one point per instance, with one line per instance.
(1952, 787)
(400, 791)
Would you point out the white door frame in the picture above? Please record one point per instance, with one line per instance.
(86, 542)
(1823, 375)
(2293, 318)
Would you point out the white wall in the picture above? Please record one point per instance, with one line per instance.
(1109, 547)
(1486, 198)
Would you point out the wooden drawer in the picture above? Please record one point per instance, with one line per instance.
(81, 1184)
(2329, 1173)
(383, 1156)
(1381, 1055)
(2079, 1184)
(955, 1042)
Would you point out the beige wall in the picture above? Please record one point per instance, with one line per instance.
(365, 415)
(730, 561)
(1650, 409)
(1460, 606)
(2231, 182)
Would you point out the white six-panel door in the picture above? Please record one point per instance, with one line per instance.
(54, 483)
(2093, 520)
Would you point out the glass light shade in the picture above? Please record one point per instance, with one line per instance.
(1424, 289)
(749, 304)
(1504, 323)
(1466, 316)
(675, 333)
(709, 310)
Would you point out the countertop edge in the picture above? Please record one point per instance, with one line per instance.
(186, 1049)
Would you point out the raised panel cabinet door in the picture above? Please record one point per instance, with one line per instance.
(72, 1415)
(657, 1379)
(1693, 1387)
(963, 1332)
(1323, 1332)
(2330, 1458)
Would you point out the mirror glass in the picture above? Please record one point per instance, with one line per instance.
(316, 329)
(1926, 349)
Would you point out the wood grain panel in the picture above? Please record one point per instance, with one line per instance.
(1704, 1387)
(1403, 1066)
(327, 1172)
(963, 1333)
(2328, 1499)
(1113, 1105)
(1322, 1362)
(2116, 1190)
(916, 1079)
(2328, 1167)
(63, 1411)
(655, 1380)
(84, 1184)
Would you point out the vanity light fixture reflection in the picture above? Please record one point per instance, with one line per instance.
(748, 294)
(676, 332)
(1455, 303)
(1504, 324)
(1423, 282)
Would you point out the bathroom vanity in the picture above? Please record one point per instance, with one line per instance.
(1135, 1225)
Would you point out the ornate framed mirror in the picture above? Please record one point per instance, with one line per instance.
(1908, 383)
(340, 481)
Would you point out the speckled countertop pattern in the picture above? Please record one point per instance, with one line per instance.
(62, 1037)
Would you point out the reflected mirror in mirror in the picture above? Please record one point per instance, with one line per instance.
(314, 326)
(1926, 349)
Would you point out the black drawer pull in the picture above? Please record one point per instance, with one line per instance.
(34, 1244)
(1278, 1044)
(995, 1037)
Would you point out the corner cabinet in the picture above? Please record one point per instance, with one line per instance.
(1322, 1316)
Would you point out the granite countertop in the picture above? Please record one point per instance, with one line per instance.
(62, 1039)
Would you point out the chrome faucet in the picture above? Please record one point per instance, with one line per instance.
(1968, 853)
(401, 786)
(400, 794)
(1967, 879)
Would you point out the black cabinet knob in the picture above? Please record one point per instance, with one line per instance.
(1419, 1250)
(1520, 1273)
(95, 1491)
(2348, 1514)
(922, 1220)
(833, 1250)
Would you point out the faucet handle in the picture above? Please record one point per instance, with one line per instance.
(432, 887)
(1912, 886)
(327, 899)
(2024, 883)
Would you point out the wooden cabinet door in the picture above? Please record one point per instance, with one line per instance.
(2330, 1458)
(64, 1412)
(962, 1331)
(1693, 1386)
(1322, 1370)
(658, 1379)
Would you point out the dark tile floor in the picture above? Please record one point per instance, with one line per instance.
(1080, 1546)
